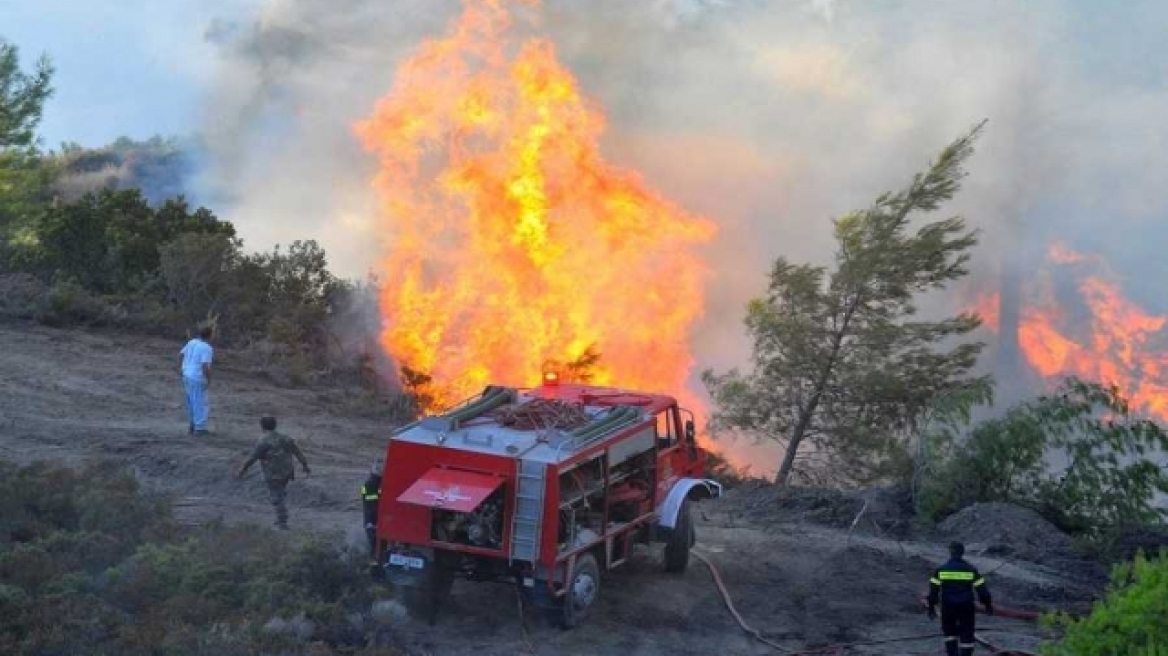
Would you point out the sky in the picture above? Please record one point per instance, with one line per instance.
(142, 67)
(124, 68)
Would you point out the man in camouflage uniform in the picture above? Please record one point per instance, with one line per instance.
(275, 452)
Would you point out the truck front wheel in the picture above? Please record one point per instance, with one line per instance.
(582, 590)
(679, 541)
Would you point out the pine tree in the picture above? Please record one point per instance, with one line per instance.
(840, 359)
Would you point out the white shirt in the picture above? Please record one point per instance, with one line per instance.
(195, 353)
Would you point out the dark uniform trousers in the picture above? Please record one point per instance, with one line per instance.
(958, 623)
(277, 493)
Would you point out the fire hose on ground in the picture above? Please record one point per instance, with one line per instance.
(839, 649)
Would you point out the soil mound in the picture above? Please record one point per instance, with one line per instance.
(880, 511)
(1006, 530)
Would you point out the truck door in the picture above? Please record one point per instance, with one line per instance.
(672, 454)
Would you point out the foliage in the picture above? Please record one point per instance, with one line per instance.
(26, 181)
(109, 241)
(839, 358)
(1130, 621)
(938, 427)
(25, 177)
(419, 388)
(297, 292)
(69, 304)
(1077, 456)
(196, 269)
(91, 564)
(22, 97)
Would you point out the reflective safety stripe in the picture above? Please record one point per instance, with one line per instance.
(955, 576)
(371, 497)
(978, 582)
(934, 581)
(951, 639)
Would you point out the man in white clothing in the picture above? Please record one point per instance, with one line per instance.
(196, 372)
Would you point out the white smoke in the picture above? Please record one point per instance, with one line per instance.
(767, 116)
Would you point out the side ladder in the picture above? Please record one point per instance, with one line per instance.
(527, 521)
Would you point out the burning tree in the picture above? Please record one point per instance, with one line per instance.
(840, 360)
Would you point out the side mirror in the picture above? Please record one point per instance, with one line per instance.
(689, 430)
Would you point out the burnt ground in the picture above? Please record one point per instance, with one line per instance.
(796, 571)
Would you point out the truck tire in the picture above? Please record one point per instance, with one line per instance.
(426, 600)
(680, 540)
(581, 592)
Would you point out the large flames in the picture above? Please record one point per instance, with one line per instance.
(511, 242)
(1098, 335)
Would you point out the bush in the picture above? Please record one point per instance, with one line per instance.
(110, 257)
(1076, 456)
(21, 295)
(109, 241)
(1131, 621)
(92, 565)
(69, 304)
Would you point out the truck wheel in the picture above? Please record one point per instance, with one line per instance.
(679, 542)
(425, 600)
(582, 590)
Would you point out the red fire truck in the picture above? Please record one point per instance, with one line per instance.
(543, 487)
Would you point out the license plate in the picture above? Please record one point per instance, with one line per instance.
(408, 562)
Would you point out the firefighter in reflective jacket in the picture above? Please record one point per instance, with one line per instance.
(955, 583)
(370, 494)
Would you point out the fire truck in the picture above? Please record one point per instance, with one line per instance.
(542, 487)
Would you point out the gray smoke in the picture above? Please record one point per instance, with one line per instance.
(769, 116)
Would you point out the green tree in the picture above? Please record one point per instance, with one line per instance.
(197, 269)
(1131, 621)
(839, 359)
(109, 241)
(22, 97)
(1077, 456)
(25, 177)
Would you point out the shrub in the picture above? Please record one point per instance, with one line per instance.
(21, 295)
(1077, 456)
(92, 565)
(109, 241)
(69, 304)
(196, 270)
(1131, 621)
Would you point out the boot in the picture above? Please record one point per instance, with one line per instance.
(951, 647)
(966, 650)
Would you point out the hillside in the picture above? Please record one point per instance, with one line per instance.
(797, 573)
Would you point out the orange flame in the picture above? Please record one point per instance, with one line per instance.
(511, 240)
(1116, 346)
(987, 307)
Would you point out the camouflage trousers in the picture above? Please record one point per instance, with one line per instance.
(277, 492)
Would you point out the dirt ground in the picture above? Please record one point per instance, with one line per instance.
(72, 397)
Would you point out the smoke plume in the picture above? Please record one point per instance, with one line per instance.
(767, 116)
